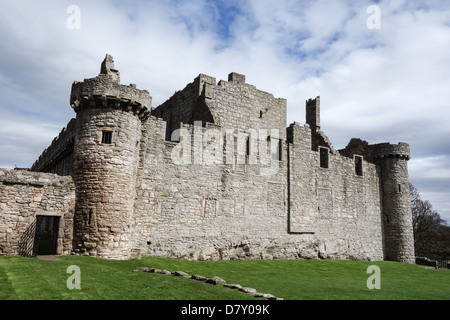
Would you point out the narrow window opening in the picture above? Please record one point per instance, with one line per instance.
(280, 149)
(358, 165)
(277, 154)
(324, 159)
(247, 141)
(90, 217)
(260, 114)
(399, 188)
(107, 137)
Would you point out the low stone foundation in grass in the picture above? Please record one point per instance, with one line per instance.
(214, 281)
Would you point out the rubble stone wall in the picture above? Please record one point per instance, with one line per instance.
(24, 195)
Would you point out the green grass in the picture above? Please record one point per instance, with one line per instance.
(31, 278)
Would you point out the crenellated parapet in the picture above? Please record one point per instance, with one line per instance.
(57, 158)
(375, 152)
(384, 150)
(105, 91)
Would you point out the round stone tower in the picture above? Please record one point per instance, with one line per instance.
(106, 155)
(398, 227)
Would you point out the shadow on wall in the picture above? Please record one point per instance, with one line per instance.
(26, 243)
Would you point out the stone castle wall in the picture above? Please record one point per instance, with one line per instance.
(241, 206)
(232, 211)
(230, 104)
(341, 208)
(212, 173)
(208, 210)
(26, 195)
(58, 157)
(186, 106)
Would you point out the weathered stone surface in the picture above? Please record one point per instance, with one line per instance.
(233, 286)
(24, 197)
(248, 290)
(235, 183)
(216, 280)
(198, 277)
(181, 274)
(163, 272)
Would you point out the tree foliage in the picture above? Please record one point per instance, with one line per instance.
(431, 233)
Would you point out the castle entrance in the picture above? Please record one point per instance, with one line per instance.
(46, 235)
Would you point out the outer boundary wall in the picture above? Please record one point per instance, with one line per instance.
(24, 197)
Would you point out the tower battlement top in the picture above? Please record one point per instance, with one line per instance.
(105, 91)
(384, 150)
(107, 67)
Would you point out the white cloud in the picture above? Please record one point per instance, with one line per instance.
(432, 167)
(431, 174)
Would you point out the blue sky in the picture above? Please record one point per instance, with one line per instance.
(382, 85)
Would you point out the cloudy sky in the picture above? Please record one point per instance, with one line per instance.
(381, 68)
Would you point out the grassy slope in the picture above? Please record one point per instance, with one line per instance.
(30, 278)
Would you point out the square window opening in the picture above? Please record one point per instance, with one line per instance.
(106, 137)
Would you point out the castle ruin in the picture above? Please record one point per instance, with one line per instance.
(212, 173)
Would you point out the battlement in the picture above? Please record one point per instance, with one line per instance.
(313, 113)
(373, 152)
(236, 77)
(57, 158)
(105, 91)
(384, 150)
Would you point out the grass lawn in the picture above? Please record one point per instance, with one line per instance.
(31, 278)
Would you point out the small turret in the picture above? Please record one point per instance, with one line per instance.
(105, 91)
(398, 229)
(107, 67)
(106, 155)
(313, 120)
(313, 114)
